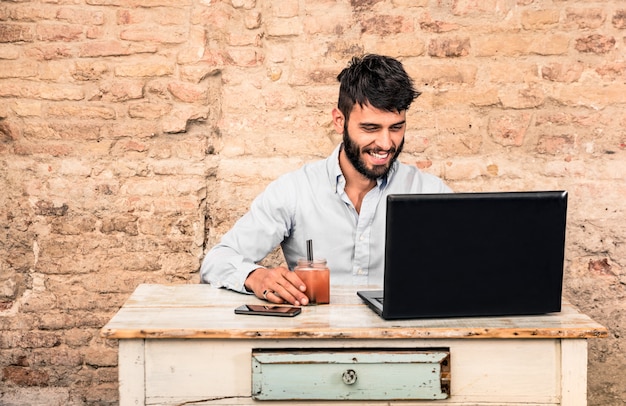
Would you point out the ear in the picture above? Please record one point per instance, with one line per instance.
(338, 120)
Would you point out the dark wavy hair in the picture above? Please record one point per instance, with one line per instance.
(378, 80)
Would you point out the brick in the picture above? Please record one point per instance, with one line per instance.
(188, 92)
(460, 143)
(61, 129)
(334, 22)
(522, 97)
(449, 47)
(9, 51)
(39, 339)
(190, 55)
(244, 38)
(62, 356)
(283, 27)
(436, 74)
(509, 130)
(592, 96)
(587, 18)
(149, 110)
(245, 56)
(121, 91)
(59, 32)
(27, 13)
(218, 16)
(17, 69)
(129, 16)
(191, 148)
(556, 144)
(285, 8)
(612, 70)
(252, 19)
(619, 19)
(18, 396)
(151, 187)
(489, 7)
(197, 73)
(595, 43)
(25, 376)
(145, 69)
(80, 16)
(410, 3)
(580, 119)
(389, 45)
(47, 52)
(540, 19)
(342, 49)
(179, 118)
(245, 4)
(159, 16)
(438, 26)
(139, 3)
(113, 48)
(164, 35)
(16, 33)
(463, 97)
(519, 72)
(463, 170)
(507, 44)
(386, 25)
(72, 226)
(557, 72)
(95, 32)
(81, 112)
(55, 71)
(27, 108)
(101, 357)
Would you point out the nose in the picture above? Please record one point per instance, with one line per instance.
(384, 140)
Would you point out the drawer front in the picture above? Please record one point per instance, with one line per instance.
(350, 374)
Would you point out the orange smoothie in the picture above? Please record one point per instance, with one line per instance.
(317, 281)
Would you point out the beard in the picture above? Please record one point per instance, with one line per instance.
(353, 153)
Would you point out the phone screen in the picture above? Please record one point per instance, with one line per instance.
(268, 310)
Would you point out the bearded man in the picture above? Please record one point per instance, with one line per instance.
(339, 203)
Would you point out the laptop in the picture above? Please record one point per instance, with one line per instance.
(472, 254)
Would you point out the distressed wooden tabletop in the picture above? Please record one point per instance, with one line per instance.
(201, 311)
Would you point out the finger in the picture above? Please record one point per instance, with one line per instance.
(272, 296)
(293, 278)
(290, 292)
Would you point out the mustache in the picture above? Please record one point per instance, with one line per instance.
(377, 150)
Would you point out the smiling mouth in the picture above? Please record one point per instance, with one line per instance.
(379, 154)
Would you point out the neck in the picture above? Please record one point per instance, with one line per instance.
(357, 185)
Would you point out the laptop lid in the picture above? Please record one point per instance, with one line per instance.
(474, 254)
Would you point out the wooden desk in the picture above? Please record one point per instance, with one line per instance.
(184, 343)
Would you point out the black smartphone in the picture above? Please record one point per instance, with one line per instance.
(268, 310)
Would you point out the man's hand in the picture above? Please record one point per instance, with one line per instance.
(277, 285)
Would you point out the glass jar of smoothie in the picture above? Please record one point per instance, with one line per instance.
(316, 277)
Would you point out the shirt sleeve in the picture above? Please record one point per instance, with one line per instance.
(256, 234)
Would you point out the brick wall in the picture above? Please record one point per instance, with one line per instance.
(133, 133)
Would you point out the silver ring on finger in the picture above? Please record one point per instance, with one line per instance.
(265, 292)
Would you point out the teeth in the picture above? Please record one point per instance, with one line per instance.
(379, 155)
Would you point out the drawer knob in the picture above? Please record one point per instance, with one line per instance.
(349, 376)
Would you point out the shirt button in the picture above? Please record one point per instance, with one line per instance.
(362, 237)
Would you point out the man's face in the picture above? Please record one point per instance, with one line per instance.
(373, 139)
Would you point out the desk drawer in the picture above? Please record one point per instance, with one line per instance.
(350, 374)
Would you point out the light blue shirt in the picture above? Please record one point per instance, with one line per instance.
(311, 204)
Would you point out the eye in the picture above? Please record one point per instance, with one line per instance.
(370, 128)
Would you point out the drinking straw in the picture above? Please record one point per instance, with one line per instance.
(309, 251)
